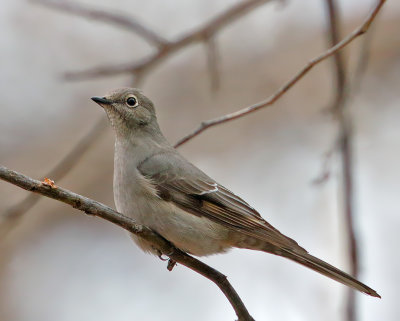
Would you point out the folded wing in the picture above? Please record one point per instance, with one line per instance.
(180, 182)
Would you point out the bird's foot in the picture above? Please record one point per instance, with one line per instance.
(160, 255)
(171, 264)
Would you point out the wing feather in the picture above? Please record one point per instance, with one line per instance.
(178, 181)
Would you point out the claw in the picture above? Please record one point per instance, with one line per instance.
(171, 264)
(160, 255)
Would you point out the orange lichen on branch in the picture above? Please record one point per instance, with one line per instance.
(49, 182)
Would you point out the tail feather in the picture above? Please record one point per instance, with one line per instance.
(328, 270)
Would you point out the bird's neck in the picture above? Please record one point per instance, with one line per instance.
(138, 145)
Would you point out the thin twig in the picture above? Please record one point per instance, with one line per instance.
(95, 208)
(346, 151)
(117, 19)
(203, 33)
(245, 111)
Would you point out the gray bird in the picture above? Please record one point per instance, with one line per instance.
(159, 188)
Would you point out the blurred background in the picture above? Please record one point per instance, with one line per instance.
(57, 264)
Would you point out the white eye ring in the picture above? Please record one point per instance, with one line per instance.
(132, 101)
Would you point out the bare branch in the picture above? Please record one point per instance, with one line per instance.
(242, 112)
(346, 152)
(128, 23)
(143, 66)
(95, 208)
(346, 147)
(340, 68)
(205, 32)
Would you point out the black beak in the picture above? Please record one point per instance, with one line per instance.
(101, 100)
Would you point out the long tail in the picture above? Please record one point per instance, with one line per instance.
(328, 270)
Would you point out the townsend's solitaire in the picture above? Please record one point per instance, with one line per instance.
(159, 188)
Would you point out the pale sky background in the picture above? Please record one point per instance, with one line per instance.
(61, 265)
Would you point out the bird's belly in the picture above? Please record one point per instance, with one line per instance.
(188, 232)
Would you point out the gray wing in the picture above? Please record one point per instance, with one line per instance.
(177, 180)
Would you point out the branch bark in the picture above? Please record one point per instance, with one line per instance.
(95, 208)
(280, 92)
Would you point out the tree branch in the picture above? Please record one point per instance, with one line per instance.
(202, 34)
(117, 19)
(346, 152)
(269, 101)
(95, 208)
(339, 65)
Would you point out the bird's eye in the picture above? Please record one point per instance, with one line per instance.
(131, 101)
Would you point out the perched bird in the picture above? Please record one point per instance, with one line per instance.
(159, 188)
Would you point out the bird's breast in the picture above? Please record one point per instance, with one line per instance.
(136, 196)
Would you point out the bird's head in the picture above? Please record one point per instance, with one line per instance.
(128, 109)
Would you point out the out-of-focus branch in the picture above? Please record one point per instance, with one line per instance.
(114, 18)
(325, 168)
(346, 147)
(202, 34)
(12, 216)
(269, 101)
(95, 208)
(340, 68)
(346, 150)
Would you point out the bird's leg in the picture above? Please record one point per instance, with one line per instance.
(171, 263)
